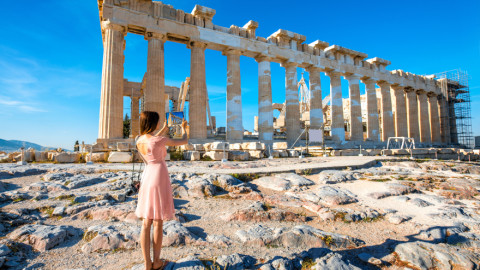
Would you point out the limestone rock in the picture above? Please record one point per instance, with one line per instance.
(326, 195)
(215, 155)
(253, 146)
(280, 145)
(66, 157)
(106, 238)
(333, 177)
(191, 155)
(235, 146)
(283, 181)
(97, 157)
(216, 146)
(333, 261)
(175, 234)
(256, 154)
(299, 236)
(187, 263)
(42, 237)
(120, 157)
(420, 203)
(123, 146)
(187, 147)
(258, 212)
(45, 187)
(41, 156)
(81, 180)
(238, 155)
(219, 240)
(235, 261)
(397, 219)
(394, 189)
(425, 255)
(57, 176)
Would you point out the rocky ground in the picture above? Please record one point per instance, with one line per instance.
(420, 214)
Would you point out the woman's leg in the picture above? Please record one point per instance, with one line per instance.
(145, 242)
(157, 242)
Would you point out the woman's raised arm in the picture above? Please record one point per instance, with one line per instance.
(183, 140)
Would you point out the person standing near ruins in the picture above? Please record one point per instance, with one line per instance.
(155, 198)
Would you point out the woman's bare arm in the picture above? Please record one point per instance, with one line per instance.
(163, 131)
(182, 141)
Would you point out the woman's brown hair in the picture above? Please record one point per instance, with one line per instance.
(148, 122)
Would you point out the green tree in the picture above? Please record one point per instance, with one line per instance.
(76, 147)
(126, 126)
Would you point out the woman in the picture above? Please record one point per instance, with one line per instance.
(155, 199)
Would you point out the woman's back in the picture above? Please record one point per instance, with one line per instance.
(152, 148)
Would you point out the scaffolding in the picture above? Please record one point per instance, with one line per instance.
(454, 84)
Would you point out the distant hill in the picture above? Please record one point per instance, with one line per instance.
(14, 145)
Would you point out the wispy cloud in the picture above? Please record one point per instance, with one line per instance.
(19, 105)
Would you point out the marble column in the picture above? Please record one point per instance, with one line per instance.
(135, 120)
(434, 121)
(155, 81)
(401, 129)
(198, 92)
(111, 100)
(372, 110)
(356, 127)
(265, 111)
(386, 111)
(316, 107)
(234, 127)
(444, 125)
(292, 114)
(412, 114)
(424, 119)
(337, 121)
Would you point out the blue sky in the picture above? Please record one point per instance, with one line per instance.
(51, 55)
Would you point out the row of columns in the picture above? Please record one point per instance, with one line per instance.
(417, 114)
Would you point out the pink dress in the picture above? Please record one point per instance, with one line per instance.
(155, 199)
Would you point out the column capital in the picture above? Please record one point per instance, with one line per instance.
(288, 64)
(368, 80)
(397, 87)
(156, 35)
(114, 26)
(383, 83)
(333, 73)
(409, 89)
(350, 77)
(197, 44)
(313, 68)
(262, 58)
(431, 94)
(230, 51)
(420, 92)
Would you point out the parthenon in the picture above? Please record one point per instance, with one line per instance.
(409, 105)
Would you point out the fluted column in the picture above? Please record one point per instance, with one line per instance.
(337, 122)
(424, 118)
(412, 114)
(198, 92)
(234, 126)
(292, 114)
(372, 110)
(444, 125)
(400, 119)
(135, 121)
(434, 121)
(356, 128)
(386, 111)
(265, 111)
(316, 107)
(155, 81)
(111, 100)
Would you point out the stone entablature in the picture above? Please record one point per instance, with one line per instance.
(281, 46)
